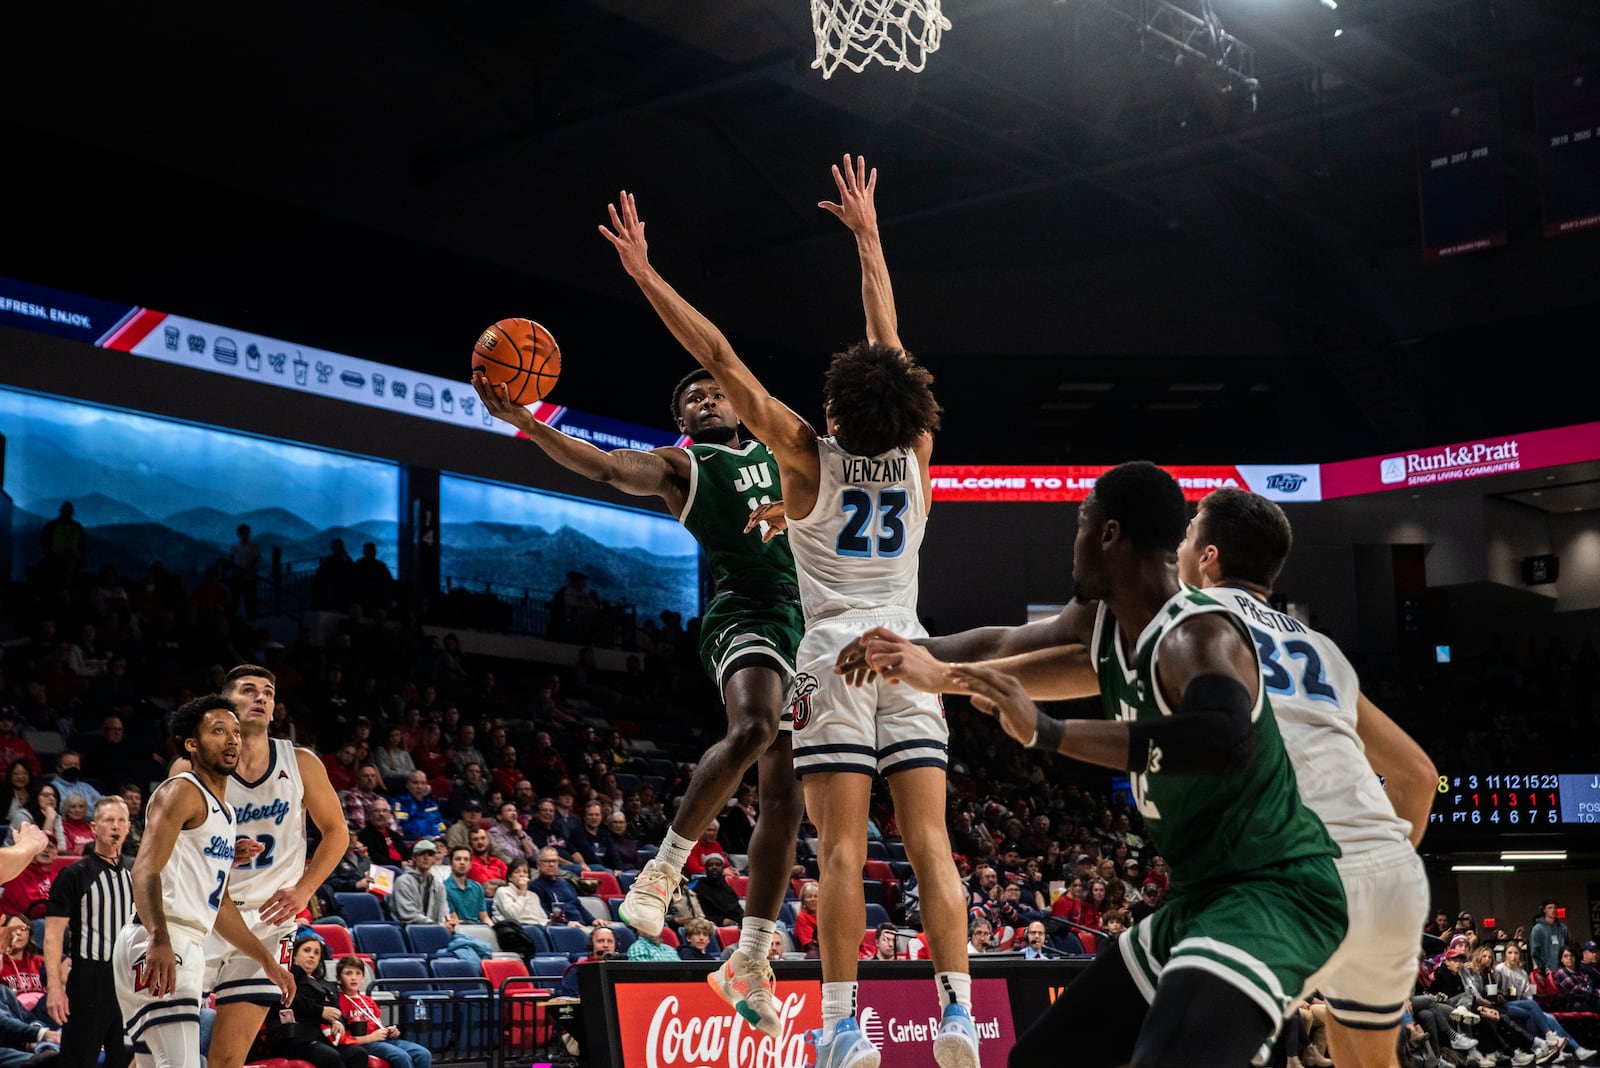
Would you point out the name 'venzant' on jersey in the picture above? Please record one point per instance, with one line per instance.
(858, 469)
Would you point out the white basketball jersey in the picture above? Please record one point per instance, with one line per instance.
(271, 811)
(193, 881)
(1313, 690)
(858, 548)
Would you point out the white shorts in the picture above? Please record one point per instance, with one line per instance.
(167, 1028)
(1368, 980)
(231, 976)
(876, 729)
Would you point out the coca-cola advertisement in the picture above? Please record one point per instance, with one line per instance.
(686, 1025)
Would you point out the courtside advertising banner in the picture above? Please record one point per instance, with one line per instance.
(686, 1025)
(1466, 460)
(1038, 484)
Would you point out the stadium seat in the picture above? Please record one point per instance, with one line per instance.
(873, 889)
(336, 938)
(740, 884)
(669, 937)
(548, 968)
(727, 936)
(614, 904)
(480, 932)
(786, 913)
(608, 885)
(537, 935)
(427, 938)
(625, 878)
(382, 940)
(881, 871)
(627, 781)
(456, 968)
(520, 1024)
(897, 849)
(876, 914)
(407, 967)
(877, 851)
(358, 906)
(568, 940)
(597, 908)
(626, 937)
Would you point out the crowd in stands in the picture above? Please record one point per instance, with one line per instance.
(510, 803)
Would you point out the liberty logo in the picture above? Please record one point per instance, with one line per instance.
(805, 684)
(754, 475)
(1285, 481)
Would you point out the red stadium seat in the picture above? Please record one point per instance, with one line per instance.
(609, 887)
(337, 938)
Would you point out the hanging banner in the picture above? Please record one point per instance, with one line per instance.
(1459, 148)
(1568, 111)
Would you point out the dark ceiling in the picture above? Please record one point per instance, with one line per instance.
(1101, 253)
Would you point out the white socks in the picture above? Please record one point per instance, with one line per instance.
(755, 937)
(675, 849)
(838, 1003)
(954, 988)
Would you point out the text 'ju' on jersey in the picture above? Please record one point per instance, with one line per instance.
(725, 486)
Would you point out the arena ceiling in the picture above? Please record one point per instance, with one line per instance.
(1102, 253)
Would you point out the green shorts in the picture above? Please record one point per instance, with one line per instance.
(734, 628)
(1265, 932)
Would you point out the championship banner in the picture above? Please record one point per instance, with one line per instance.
(1459, 148)
(1467, 460)
(204, 346)
(1568, 116)
(1036, 484)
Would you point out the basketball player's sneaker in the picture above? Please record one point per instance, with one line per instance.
(956, 1044)
(746, 984)
(645, 907)
(848, 1048)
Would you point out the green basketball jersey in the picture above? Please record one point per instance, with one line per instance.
(1208, 827)
(725, 485)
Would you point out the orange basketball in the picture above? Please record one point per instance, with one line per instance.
(522, 355)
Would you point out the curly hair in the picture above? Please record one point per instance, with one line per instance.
(879, 398)
(684, 383)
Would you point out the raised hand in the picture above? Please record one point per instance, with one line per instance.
(855, 207)
(852, 663)
(627, 236)
(770, 517)
(497, 399)
(899, 659)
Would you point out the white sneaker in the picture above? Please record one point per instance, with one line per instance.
(1521, 1057)
(1462, 1042)
(645, 907)
(746, 984)
(1583, 1053)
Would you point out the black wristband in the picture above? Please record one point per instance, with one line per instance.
(1047, 733)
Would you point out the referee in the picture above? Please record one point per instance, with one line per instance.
(89, 904)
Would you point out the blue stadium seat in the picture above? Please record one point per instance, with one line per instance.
(627, 781)
(407, 967)
(568, 940)
(902, 869)
(456, 968)
(897, 849)
(626, 936)
(426, 938)
(625, 878)
(877, 851)
(548, 968)
(876, 914)
(537, 935)
(358, 906)
(382, 940)
(786, 913)
(873, 889)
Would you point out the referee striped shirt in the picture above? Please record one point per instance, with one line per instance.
(96, 897)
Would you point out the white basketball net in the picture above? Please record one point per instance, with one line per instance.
(896, 33)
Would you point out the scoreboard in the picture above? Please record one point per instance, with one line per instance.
(1513, 802)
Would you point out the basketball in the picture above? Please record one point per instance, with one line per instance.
(521, 355)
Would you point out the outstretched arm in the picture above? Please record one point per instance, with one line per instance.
(1409, 777)
(643, 474)
(769, 419)
(857, 209)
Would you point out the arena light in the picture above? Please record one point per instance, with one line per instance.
(1482, 867)
(1546, 854)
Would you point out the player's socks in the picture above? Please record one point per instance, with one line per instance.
(955, 988)
(755, 937)
(674, 849)
(838, 1003)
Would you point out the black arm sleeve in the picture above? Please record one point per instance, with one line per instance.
(1211, 734)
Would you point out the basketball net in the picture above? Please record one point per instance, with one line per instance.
(896, 33)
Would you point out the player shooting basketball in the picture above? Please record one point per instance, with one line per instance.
(856, 503)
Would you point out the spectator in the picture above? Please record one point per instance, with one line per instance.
(1038, 943)
(133, 797)
(471, 787)
(465, 894)
(558, 896)
(805, 920)
(697, 940)
(547, 832)
(1150, 900)
(1590, 965)
(341, 765)
(65, 545)
(418, 897)
(573, 609)
(1514, 996)
(14, 747)
(508, 839)
(21, 966)
(602, 946)
(1549, 934)
(487, 869)
(364, 1026)
(383, 842)
(1575, 987)
(591, 842)
(719, 902)
(372, 580)
(68, 779)
(978, 935)
(460, 832)
(297, 1032)
(428, 753)
(884, 943)
(75, 827)
(358, 800)
(650, 947)
(333, 585)
(19, 789)
(416, 813)
(394, 761)
(508, 774)
(624, 848)
(515, 902)
(354, 871)
(30, 886)
(707, 843)
(567, 817)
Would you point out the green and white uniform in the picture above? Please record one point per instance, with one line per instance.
(1255, 897)
(755, 611)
